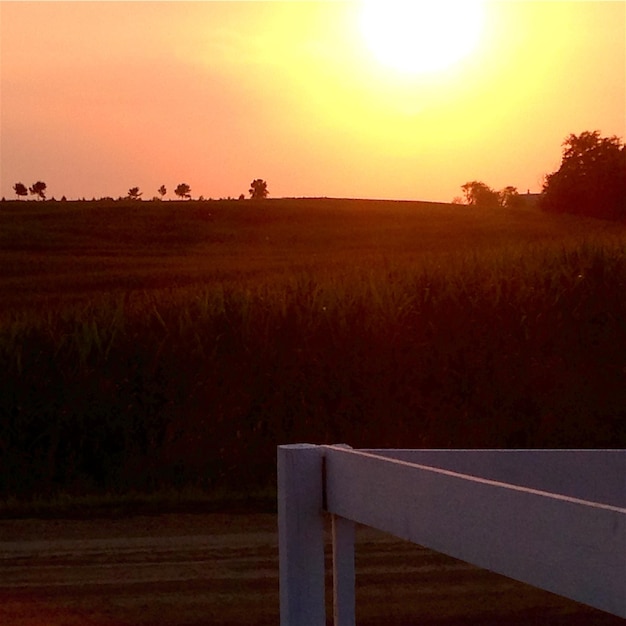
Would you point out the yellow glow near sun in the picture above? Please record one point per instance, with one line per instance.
(421, 36)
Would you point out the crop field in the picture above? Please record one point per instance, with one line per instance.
(151, 346)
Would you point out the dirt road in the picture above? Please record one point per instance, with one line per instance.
(192, 570)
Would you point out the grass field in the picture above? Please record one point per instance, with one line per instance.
(173, 345)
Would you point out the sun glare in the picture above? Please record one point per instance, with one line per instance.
(421, 36)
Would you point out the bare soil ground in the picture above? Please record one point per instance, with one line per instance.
(192, 570)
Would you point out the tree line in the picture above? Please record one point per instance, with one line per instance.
(183, 191)
(258, 189)
(591, 180)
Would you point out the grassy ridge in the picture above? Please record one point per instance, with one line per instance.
(157, 346)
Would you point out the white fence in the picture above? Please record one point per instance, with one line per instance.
(555, 519)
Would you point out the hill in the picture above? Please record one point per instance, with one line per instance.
(60, 251)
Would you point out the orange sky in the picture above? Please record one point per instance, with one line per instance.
(98, 97)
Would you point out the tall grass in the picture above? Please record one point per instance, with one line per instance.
(193, 386)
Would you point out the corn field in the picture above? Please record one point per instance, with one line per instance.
(204, 341)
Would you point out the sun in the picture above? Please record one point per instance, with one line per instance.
(421, 36)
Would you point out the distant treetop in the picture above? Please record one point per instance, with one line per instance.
(479, 194)
(134, 193)
(38, 189)
(20, 190)
(183, 191)
(258, 189)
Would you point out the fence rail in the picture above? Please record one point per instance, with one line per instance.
(555, 519)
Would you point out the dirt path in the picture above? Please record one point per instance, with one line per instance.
(192, 570)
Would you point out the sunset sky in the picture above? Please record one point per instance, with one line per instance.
(98, 97)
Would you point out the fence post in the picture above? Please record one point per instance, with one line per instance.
(301, 535)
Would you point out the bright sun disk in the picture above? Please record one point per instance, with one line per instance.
(421, 36)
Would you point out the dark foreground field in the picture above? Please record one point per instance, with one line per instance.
(202, 570)
(171, 346)
(167, 348)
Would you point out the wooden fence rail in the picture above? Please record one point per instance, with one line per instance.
(555, 519)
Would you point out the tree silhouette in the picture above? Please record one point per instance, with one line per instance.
(591, 179)
(134, 193)
(20, 190)
(481, 195)
(258, 189)
(38, 189)
(183, 191)
(509, 197)
(162, 191)
(478, 194)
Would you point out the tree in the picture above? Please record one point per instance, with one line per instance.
(509, 197)
(134, 193)
(183, 191)
(480, 195)
(258, 189)
(38, 189)
(591, 179)
(20, 190)
(162, 191)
